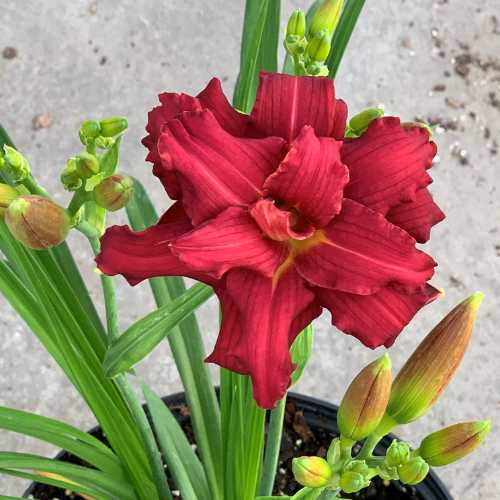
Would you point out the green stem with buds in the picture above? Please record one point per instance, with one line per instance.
(386, 425)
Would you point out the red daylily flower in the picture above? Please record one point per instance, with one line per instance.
(282, 216)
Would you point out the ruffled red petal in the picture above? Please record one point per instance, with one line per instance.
(311, 178)
(418, 216)
(258, 327)
(145, 254)
(362, 252)
(340, 120)
(387, 164)
(285, 103)
(375, 319)
(215, 169)
(232, 239)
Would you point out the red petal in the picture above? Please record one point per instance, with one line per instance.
(145, 254)
(340, 120)
(285, 103)
(387, 164)
(375, 319)
(362, 252)
(311, 178)
(259, 324)
(171, 107)
(418, 216)
(277, 224)
(215, 169)
(232, 239)
(213, 98)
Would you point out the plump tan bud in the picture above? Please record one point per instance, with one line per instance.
(7, 195)
(37, 222)
(397, 454)
(87, 165)
(327, 16)
(114, 192)
(430, 368)
(414, 471)
(113, 125)
(313, 472)
(319, 46)
(453, 443)
(90, 129)
(296, 24)
(15, 163)
(365, 401)
(359, 123)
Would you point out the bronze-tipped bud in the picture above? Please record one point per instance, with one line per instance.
(453, 443)
(365, 401)
(7, 195)
(414, 471)
(313, 472)
(430, 368)
(37, 222)
(114, 192)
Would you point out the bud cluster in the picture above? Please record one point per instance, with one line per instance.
(14, 164)
(310, 47)
(372, 406)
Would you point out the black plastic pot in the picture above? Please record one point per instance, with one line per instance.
(319, 415)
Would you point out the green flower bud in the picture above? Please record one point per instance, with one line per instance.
(319, 46)
(104, 142)
(69, 176)
(113, 126)
(359, 123)
(327, 16)
(355, 477)
(114, 192)
(398, 453)
(7, 195)
(37, 222)
(16, 164)
(414, 471)
(430, 368)
(365, 401)
(334, 453)
(90, 129)
(86, 165)
(296, 24)
(453, 443)
(313, 472)
(388, 473)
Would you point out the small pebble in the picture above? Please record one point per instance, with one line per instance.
(9, 53)
(43, 120)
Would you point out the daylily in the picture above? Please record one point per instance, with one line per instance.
(282, 216)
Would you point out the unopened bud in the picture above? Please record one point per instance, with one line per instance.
(15, 163)
(7, 195)
(414, 471)
(37, 222)
(90, 129)
(360, 122)
(430, 368)
(296, 24)
(113, 126)
(319, 46)
(87, 165)
(365, 401)
(114, 192)
(398, 453)
(453, 443)
(327, 16)
(70, 178)
(313, 472)
(355, 477)
(104, 142)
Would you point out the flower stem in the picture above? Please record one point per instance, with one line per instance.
(124, 385)
(273, 444)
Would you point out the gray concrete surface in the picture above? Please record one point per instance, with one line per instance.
(437, 60)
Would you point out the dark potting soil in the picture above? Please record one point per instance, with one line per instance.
(299, 438)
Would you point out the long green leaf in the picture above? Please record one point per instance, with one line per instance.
(259, 47)
(189, 354)
(342, 34)
(63, 436)
(75, 477)
(145, 334)
(184, 465)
